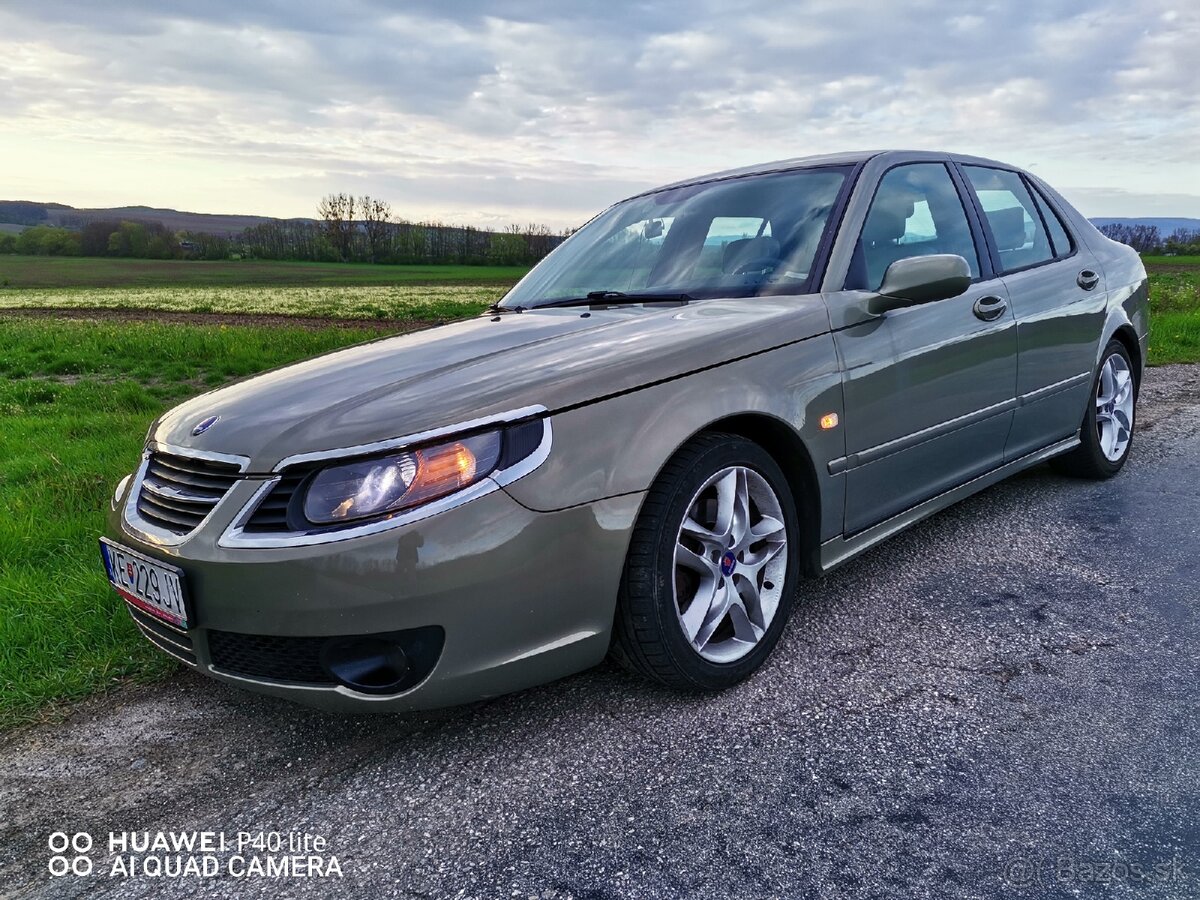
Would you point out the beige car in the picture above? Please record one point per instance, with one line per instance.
(711, 392)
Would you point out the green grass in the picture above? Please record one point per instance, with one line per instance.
(75, 400)
(92, 272)
(1174, 309)
(1153, 262)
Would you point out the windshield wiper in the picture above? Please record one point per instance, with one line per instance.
(613, 298)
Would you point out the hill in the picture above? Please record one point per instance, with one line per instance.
(15, 214)
(25, 213)
(1164, 224)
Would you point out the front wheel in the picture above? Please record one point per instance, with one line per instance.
(1107, 431)
(712, 567)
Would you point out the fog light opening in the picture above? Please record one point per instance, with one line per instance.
(369, 665)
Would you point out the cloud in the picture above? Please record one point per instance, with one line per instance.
(473, 110)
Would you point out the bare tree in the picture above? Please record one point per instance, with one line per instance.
(1142, 238)
(337, 210)
(377, 223)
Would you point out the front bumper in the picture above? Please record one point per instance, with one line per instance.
(522, 597)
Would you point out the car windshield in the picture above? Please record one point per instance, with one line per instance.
(739, 237)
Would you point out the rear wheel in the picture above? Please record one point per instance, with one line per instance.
(712, 567)
(1107, 431)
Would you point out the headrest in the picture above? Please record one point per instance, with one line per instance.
(1008, 227)
(883, 226)
(742, 251)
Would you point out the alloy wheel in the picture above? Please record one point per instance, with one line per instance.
(730, 564)
(1114, 407)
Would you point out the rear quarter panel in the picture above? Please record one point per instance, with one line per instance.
(1125, 281)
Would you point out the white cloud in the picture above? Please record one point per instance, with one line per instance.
(492, 111)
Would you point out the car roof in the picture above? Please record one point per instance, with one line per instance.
(849, 158)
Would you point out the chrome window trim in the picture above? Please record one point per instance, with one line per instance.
(236, 537)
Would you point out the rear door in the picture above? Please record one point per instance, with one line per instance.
(928, 390)
(1056, 289)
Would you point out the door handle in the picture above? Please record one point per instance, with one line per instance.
(989, 308)
(1087, 279)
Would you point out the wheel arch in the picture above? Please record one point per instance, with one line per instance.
(787, 448)
(1129, 340)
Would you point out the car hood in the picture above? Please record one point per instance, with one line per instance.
(429, 379)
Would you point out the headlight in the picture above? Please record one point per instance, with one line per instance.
(387, 484)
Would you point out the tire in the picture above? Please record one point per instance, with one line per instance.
(1106, 434)
(753, 577)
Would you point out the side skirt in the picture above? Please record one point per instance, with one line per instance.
(836, 551)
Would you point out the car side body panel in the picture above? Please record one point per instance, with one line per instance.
(1125, 281)
(1058, 327)
(795, 384)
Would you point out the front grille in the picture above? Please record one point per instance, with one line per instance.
(271, 516)
(179, 491)
(267, 656)
(163, 636)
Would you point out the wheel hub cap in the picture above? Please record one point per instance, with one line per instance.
(728, 563)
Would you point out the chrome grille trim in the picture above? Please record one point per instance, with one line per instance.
(166, 646)
(175, 490)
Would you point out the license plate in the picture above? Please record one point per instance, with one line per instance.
(152, 586)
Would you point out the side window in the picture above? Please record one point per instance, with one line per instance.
(1058, 233)
(916, 212)
(1012, 218)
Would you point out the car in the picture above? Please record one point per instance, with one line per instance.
(709, 394)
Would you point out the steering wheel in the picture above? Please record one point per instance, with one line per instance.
(757, 265)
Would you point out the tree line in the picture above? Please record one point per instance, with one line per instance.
(138, 240)
(363, 229)
(1147, 239)
(350, 229)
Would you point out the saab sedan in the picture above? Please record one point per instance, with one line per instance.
(710, 393)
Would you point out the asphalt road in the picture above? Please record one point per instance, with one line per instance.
(1002, 702)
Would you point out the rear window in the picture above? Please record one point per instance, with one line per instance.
(1059, 238)
(1012, 217)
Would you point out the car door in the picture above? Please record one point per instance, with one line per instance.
(928, 390)
(1056, 289)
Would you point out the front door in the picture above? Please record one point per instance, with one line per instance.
(928, 390)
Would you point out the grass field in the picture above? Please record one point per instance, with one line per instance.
(1174, 309)
(75, 400)
(94, 272)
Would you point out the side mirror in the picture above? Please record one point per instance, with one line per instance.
(921, 279)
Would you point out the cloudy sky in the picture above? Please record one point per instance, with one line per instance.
(492, 112)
